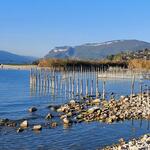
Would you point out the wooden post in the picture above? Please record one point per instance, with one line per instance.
(132, 87)
(31, 82)
(61, 83)
(53, 85)
(56, 81)
(103, 93)
(91, 87)
(97, 92)
(45, 84)
(48, 83)
(73, 86)
(65, 92)
(141, 89)
(81, 87)
(77, 86)
(148, 105)
(87, 87)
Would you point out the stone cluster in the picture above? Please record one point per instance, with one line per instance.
(135, 107)
(143, 143)
(88, 110)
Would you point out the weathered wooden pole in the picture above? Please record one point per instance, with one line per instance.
(34, 80)
(148, 102)
(141, 89)
(132, 87)
(48, 82)
(69, 84)
(81, 69)
(97, 91)
(45, 80)
(73, 86)
(61, 83)
(87, 82)
(77, 86)
(103, 93)
(91, 87)
(81, 87)
(56, 81)
(37, 77)
(65, 88)
(53, 85)
(38, 81)
(31, 81)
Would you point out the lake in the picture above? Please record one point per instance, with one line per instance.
(16, 98)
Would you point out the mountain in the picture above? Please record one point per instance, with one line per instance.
(10, 58)
(97, 50)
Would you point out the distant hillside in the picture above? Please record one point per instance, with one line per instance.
(97, 50)
(143, 54)
(10, 58)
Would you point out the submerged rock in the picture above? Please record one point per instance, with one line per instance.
(24, 124)
(53, 107)
(7, 122)
(3, 121)
(37, 127)
(32, 109)
(48, 116)
(66, 121)
(54, 124)
(20, 130)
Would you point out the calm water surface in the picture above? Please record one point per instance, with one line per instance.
(15, 99)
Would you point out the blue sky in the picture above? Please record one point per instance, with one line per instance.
(33, 27)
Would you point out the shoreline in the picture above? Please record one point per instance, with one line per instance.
(142, 142)
(17, 67)
(28, 67)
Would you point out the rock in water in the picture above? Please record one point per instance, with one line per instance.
(95, 101)
(24, 124)
(7, 122)
(92, 109)
(32, 109)
(54, 124)
(37, 127)
(121, 141)
(3, 121)
(108, 120)
(53, 107)
(72, 102)
(66, 121)
(20, 130)
(59, 110)
(49, 116)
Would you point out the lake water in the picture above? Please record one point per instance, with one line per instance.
(16, 98)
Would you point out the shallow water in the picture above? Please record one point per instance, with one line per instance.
(15, 99)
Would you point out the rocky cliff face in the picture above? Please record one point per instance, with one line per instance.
(97, 50)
